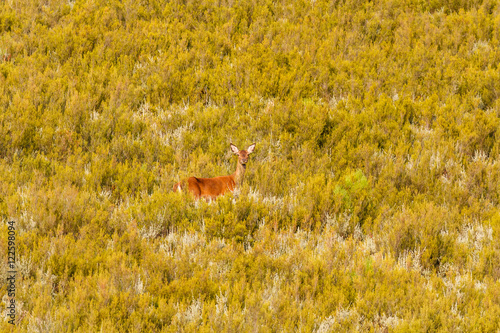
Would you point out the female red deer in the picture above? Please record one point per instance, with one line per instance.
(210, 188)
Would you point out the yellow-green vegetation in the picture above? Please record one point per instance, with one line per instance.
(371, 202)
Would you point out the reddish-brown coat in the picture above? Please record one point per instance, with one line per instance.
(210, 188)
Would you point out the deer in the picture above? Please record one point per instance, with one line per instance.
(211, 188)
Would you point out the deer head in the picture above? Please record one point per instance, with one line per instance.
(243, 154)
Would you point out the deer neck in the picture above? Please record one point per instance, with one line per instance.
(239, 173)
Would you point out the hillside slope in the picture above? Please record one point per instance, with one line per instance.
(371, 202)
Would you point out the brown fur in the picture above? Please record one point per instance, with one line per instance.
(210, 188)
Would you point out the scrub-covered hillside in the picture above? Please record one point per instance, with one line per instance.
(370, 203)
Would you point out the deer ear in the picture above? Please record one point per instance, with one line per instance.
(235, 149)
(251, 148)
